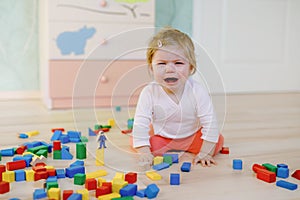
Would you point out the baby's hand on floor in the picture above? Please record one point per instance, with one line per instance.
(145, 159)
(205, 160)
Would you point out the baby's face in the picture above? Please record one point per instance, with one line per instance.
(170, 68)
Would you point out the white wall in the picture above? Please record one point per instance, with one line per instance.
(255, 44)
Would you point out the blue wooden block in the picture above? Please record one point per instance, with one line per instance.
(287, 185)
(283, 172)
(23, 135)
(20, 175)
(141, 193)
(64, 139)
(161, 166)
(282, 165)
(56, 135)
(71, 171)
(151, 191)
(51, 179)
(60, 173)
(39, 194)
(186, 167)
(7, 152)
(66, 155)
(174, 179)
(75, 196)
(74, 134)
(128, 190)
(91, 132)
(77, 162)
(237, 164)
(26, 158)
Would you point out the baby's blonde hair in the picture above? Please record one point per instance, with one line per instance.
(172, 37)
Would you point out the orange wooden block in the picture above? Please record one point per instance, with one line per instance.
(266, 175)
(256, 167)
(224, 150)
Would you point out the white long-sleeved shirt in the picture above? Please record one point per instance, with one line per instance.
(172, 120)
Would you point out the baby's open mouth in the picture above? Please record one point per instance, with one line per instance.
(171, 80)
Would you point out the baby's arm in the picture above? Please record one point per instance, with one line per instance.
(205, 156)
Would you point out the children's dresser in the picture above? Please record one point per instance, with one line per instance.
(93, 51)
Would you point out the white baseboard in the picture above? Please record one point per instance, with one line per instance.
(6, 95)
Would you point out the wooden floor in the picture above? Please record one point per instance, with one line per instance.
(262, 128)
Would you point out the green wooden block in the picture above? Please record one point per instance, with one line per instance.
(270, 167)
(124, 198)
(79, 179)
(84, 139)
(51, 185)
(168, 159)
(106, 126)
(42, 152)
(97, 127)
(57, 154)
(36, 149)
(81, 150)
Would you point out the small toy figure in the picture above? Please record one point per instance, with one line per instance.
(101, 138)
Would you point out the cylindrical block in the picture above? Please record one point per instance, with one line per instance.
(256, 167)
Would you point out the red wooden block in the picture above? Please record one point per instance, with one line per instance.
(266, 175)
(21, 149)
(105, 129)
(39, 168)
(224, 150)
(102, 191)
(57, 129)
(41, 164)
(40, 175)
(109, 185)
(296, 174)
(4, 187)
(56, 145)
(14, 165)
(90, 184)
(51, 172)
(66, 194)
(256, 167)
(131, 177)
(2, 169)
(126, 131)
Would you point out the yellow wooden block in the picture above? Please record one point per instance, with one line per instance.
(54, 193)
(119, 175)
(49, 167)
(157, 160)
(96, 174)
(29, 173)
(111, 122)
(84, 193)
(109, 196)
(8, 176)
(118, 184)
(153, 175)
(32, 133)
(100, 157)
(100, 181)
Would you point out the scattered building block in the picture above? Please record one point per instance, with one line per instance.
(128, 190)
(91, 184)
(96, 174)
(4, 187)
(186, 167)
(102, 190)
(287, 185)
(283, 172)
(81, 150)
(111, 122)
(126, 131)
(2, 169)
(91, 132)
(20, 175)
(77, 163)
(117, 184)
(119, 175)
(67, 194)
(109, 196)
(157, 160)
(168, 159)
(124, 198)
(174, 179)
(56, 135)
(174, 156)
(237, 164)
(270, 167)
(161, 166)
(100, 157)
(39, 194)
(153, 175)
(141, 193)
(40, 175)
(84, 192)
(32, 133)
(79, 179)
(29, 174)
(51, 185)
(8, 176)
(100, 181)
(23, 135)
(75, 196)
(21, 149)
(71, 171)
(224, 150)
(296, 174)
(152, 191)
(57, 129)
(54, 193)
(109, 185)
(60, 173)
(256, 167)
(66, 155)
(7, 152)
(131, 177)
(266, 175)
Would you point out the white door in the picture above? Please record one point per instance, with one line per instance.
(255, 44)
